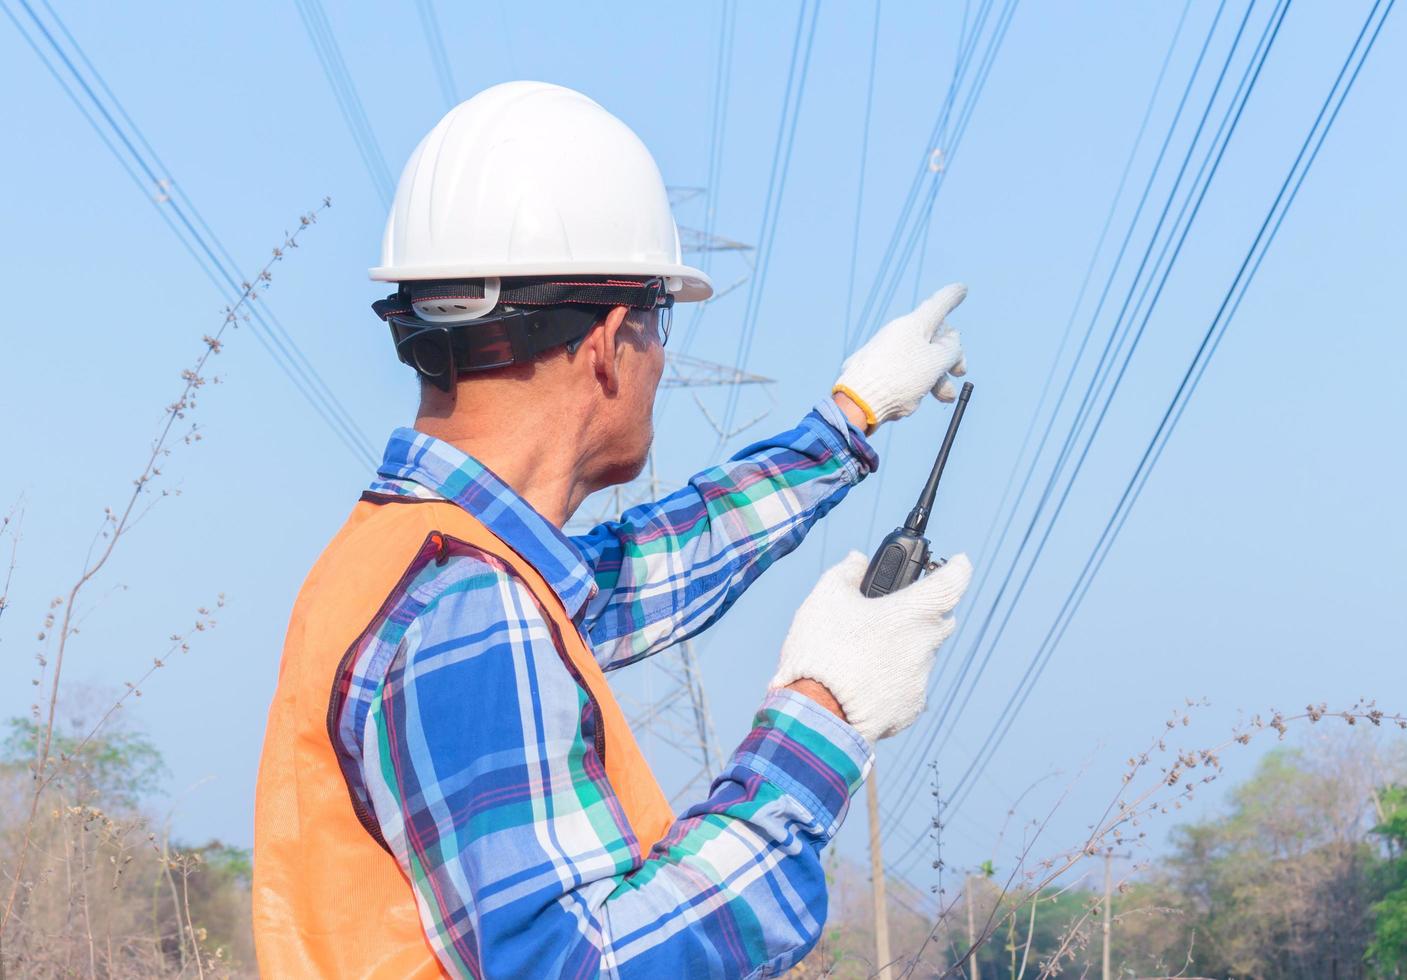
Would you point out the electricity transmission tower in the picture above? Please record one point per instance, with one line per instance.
(672, 706)
(669, 706)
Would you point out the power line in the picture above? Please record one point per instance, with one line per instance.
(943, 716)
(349, 103)
(166, 196)
(776, 190)
(985, 550)
(1187, 387)
(1050, 374)
(269, 331)
(1213, 156)
(941, 159)
(937, 162)
(934, 148)
(1123, 328)
(434, 38)
(939, 717)
(967, 45)
(281, 342)
(855, 230)
(718, 131)
(864, 161)
(856, 329)
(934, 167)
(1114, 345)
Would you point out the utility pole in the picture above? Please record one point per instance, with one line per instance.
(1109, 856)
(974, 971)
(881, 908)
(1108, 898)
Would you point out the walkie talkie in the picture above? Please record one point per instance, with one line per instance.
(904, 556)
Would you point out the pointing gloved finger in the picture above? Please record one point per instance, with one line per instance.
(945, 390)
(891, 373)
(937, 593)
(937, 307)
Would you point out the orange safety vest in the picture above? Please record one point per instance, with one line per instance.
(329, 901)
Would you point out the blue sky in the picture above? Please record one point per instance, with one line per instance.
(1262, 566)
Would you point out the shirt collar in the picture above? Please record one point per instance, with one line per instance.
(438, 467)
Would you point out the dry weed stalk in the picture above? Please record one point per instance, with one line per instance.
(116, 524)
(1173, 786)
(91, 920)
(11, 525)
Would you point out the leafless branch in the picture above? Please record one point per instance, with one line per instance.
(118, 522)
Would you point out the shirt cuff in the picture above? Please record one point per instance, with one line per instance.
(848, 441)
(808, 753)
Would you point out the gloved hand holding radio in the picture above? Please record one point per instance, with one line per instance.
(909, 357)
(874, 655)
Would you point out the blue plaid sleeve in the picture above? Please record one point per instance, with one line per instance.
(667, 569)
(480, 762)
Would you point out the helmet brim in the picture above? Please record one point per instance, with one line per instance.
(695, 285)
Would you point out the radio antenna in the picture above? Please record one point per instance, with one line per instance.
(918, 517)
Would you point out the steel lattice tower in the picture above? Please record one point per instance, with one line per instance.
(673, 708)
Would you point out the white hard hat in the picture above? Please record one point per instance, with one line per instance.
(532, 179)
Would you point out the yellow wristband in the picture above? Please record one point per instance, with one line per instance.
(870, 421)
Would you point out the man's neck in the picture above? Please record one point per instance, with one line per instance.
(538, 457)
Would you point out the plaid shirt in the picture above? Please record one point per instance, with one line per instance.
(503, 820)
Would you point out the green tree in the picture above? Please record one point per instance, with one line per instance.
(1388, 951)
(118, 767)
(1282, 884)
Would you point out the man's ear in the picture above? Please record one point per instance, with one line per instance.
(602, 348)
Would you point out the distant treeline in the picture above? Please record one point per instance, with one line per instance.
(104, 891)
(1304, 875)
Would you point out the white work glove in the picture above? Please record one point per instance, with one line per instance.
(909, 357)
(873, 655)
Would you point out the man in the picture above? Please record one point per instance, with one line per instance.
(448, 786)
